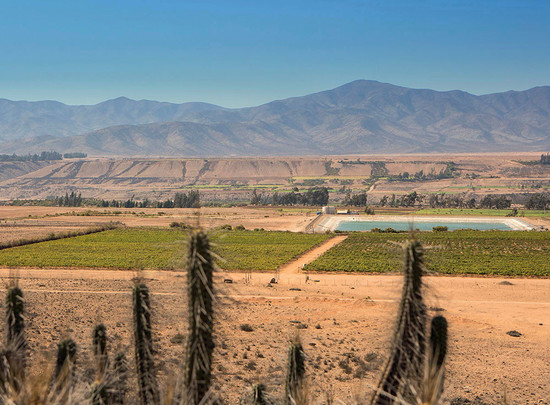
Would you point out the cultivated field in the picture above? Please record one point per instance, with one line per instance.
(505, 253)
(508, 253)
(158, 248)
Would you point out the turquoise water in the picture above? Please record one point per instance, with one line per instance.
(423, 226)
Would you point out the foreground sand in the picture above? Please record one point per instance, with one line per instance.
(347, 317)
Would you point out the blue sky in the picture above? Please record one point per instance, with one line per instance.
(240, 53)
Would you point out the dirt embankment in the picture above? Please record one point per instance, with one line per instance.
(159, 178)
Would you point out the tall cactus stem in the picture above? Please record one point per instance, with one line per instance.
(295, 377)
(143, 341)
(404, 371)
(200, 343)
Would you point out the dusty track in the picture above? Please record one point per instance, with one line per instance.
(295, 266)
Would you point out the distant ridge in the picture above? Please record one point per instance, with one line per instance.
(359, 117)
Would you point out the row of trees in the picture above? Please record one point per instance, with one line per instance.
(538, 201)
(451, 201)
(190, 199)
(69, 200)
(446, 201)
(408, 200)
(315, 196)
(499, 202)
(446, 173)
(31, 158)
(43, 156)
(545, 159)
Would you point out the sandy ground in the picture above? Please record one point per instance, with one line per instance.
(207, 217)
(343, 318)
(23, 232)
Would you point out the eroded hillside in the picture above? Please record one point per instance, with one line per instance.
(234, 179)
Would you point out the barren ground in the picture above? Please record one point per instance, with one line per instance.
(347, 316)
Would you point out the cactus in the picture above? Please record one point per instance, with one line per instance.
(259, 397)
(15, 308)
(200, 344)
(100, 389)
(432, 385)
(145, 368)
(64, 375)
(100, 349)
(438, 340)
(404, 371)
(295, 378)
(13, 357)
(120, 374)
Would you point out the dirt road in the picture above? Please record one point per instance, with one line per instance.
(295, 266)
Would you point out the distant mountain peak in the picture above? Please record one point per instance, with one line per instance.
(363, 116)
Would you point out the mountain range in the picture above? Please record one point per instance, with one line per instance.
(360, 117)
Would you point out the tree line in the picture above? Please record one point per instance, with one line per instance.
(43, 156)
(190, 199)
(315, 196)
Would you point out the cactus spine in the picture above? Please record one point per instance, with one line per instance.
(200, 295)
(143, 341)
(404, 371)
(295, 378)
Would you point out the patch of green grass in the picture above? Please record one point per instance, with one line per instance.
(161, 248)
(507, 253)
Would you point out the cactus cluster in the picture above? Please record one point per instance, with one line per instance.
(413, 374)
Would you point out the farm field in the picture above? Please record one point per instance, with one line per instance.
(507, 253)
(161, 248)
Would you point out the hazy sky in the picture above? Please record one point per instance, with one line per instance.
(239, 53)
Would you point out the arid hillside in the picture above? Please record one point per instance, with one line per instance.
(236, 178)
(359, 117)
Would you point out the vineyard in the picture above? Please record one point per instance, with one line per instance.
(161, 248)
(509, 253)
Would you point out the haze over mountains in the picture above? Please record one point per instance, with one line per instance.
(358, 117)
